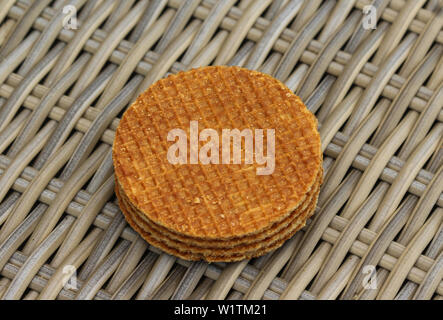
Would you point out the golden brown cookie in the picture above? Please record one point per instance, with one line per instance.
(212, 257)
(148, 226)
(219, 210)
(242, 245)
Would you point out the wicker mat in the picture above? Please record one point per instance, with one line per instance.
(371, 71)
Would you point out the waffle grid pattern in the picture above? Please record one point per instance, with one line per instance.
(221, 255)
(227, 216)
(247, 245)
(214, 243)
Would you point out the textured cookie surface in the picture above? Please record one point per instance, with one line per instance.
(223, 244)
(226, 246)
(213, 255)
(215, 201)
(243, 247)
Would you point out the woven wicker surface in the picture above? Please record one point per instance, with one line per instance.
(377, 94)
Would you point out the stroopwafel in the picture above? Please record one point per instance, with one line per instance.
(221, 210)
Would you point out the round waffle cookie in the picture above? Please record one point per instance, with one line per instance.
(221, 209)
(246, 248)
(232, 243)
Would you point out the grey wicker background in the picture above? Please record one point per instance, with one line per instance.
(377, 93)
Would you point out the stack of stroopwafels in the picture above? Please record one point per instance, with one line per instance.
(217, 211)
